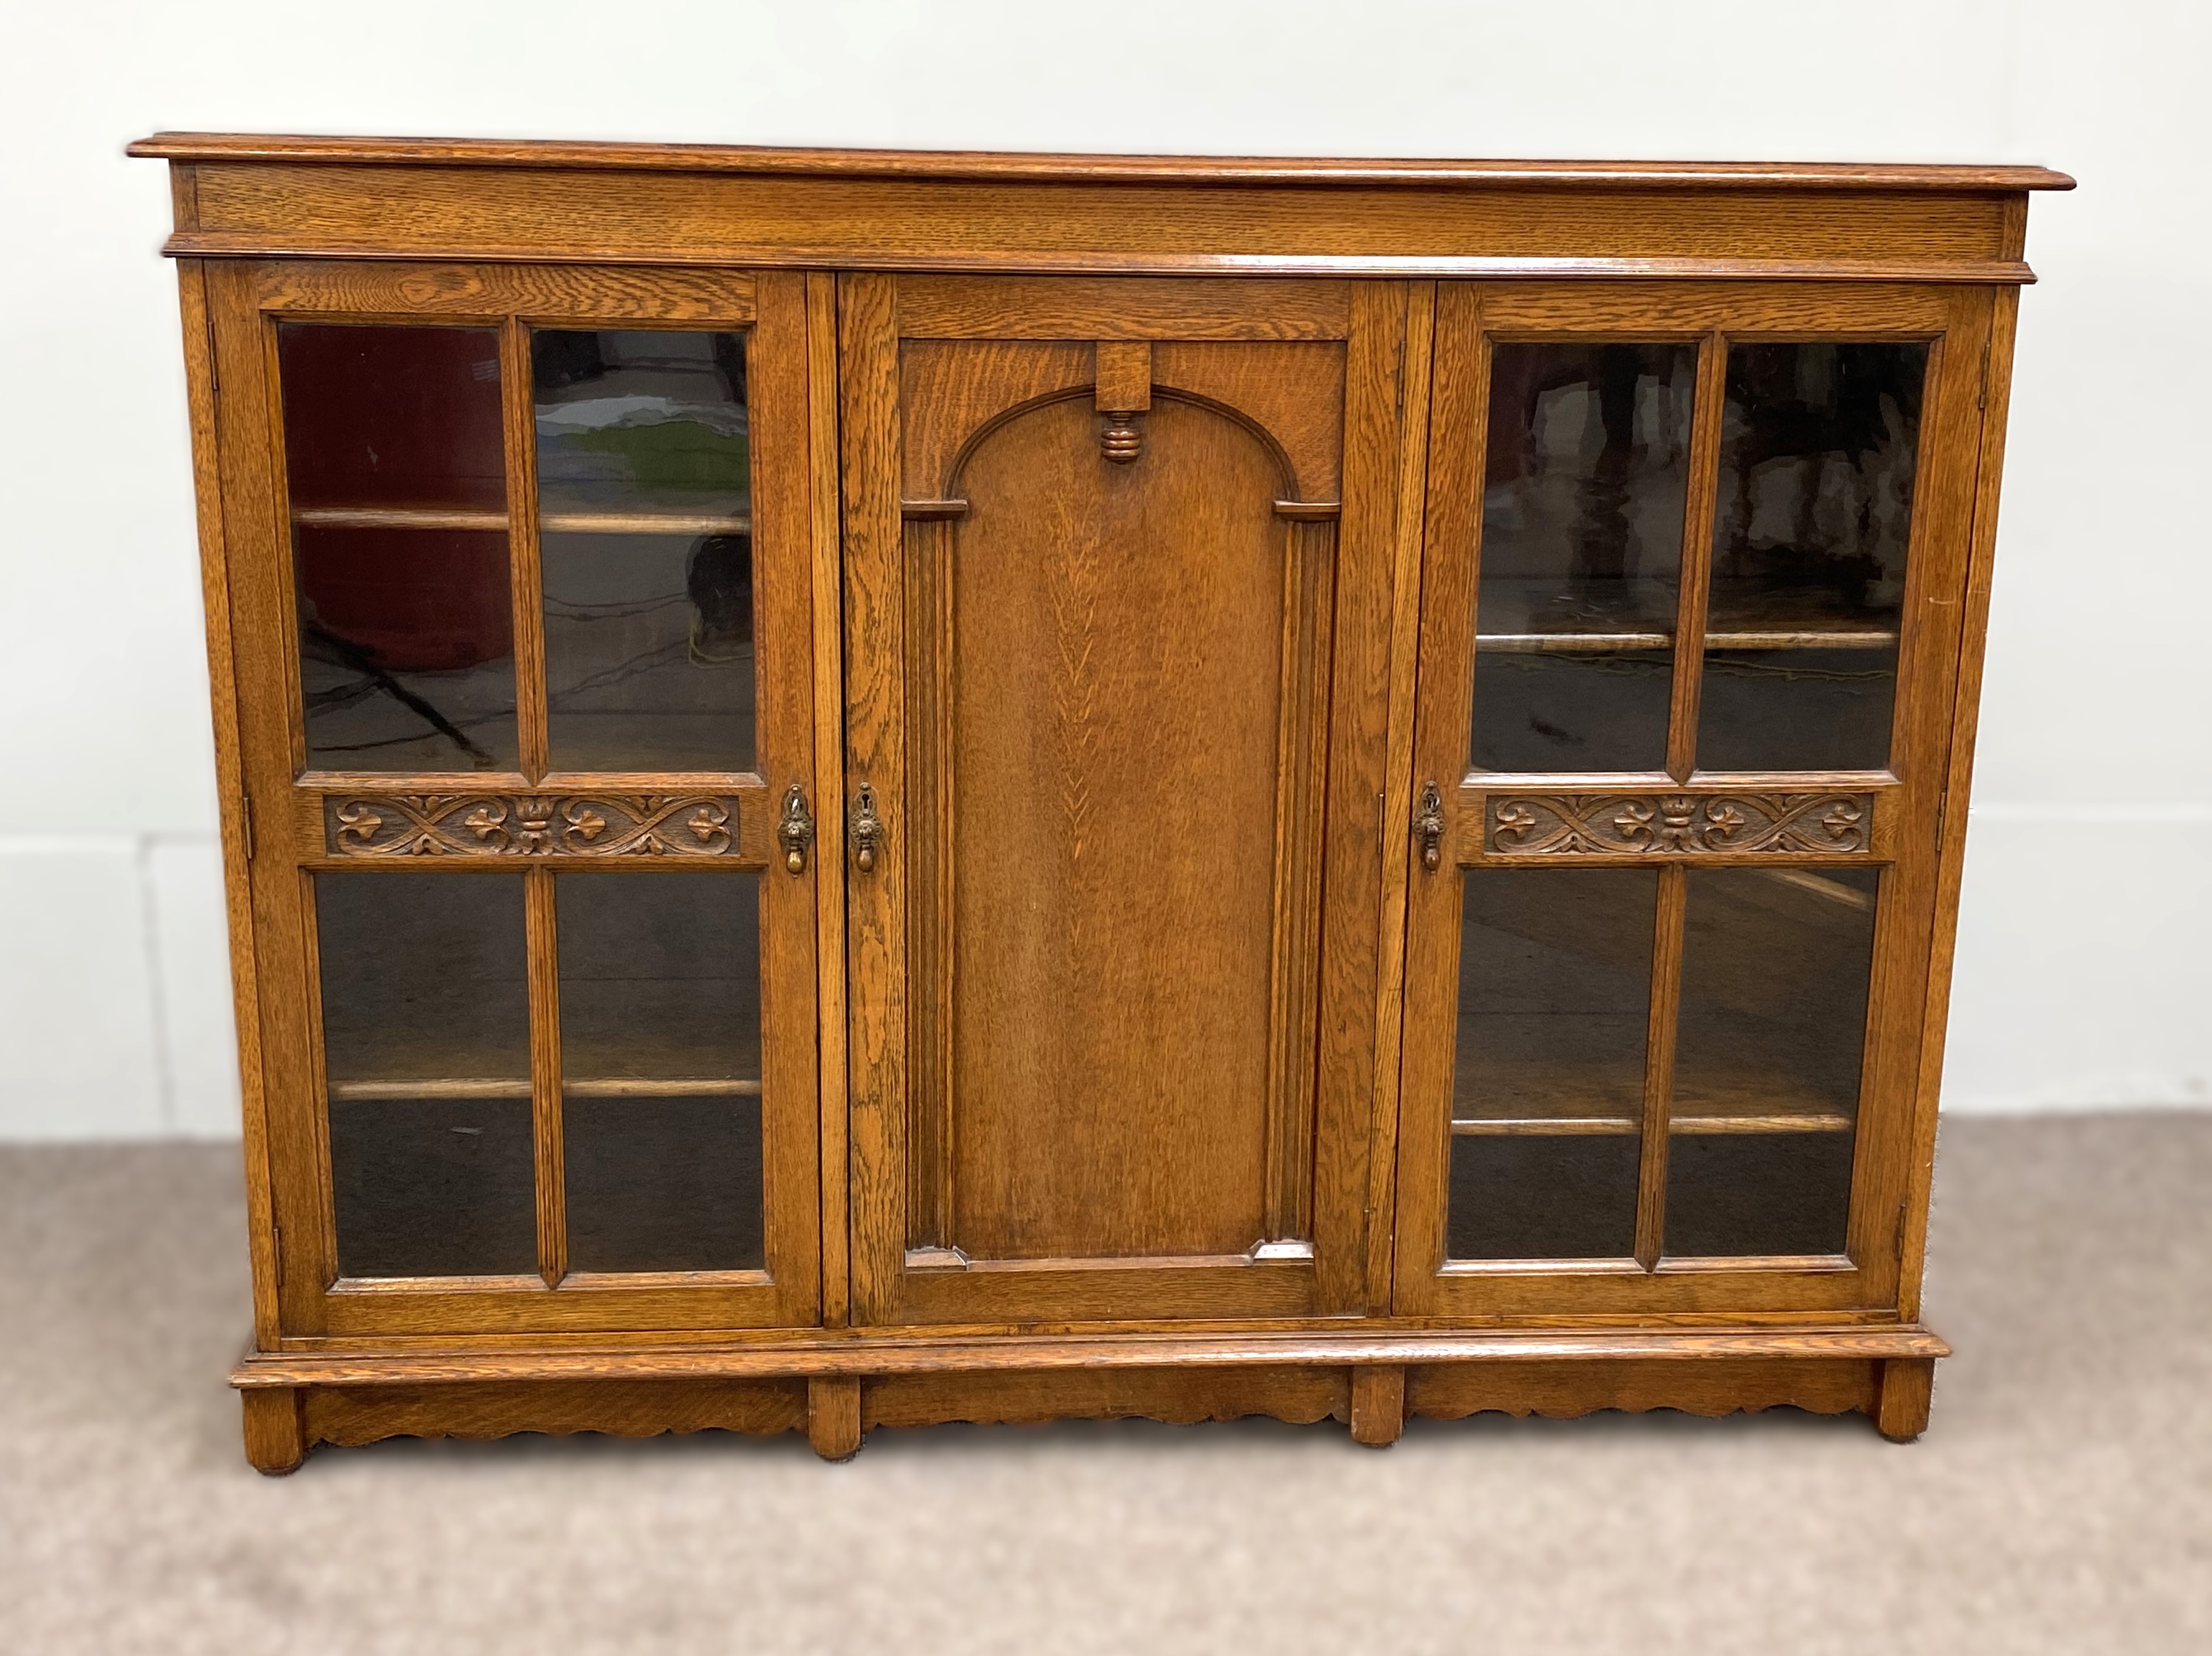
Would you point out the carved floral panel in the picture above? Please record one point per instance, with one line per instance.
(531, 825)
(1678, 824)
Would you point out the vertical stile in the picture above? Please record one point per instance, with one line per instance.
(1402, 657)
(874, 746)
(1659, 1064)
(1696, 554)
(520, 419)
(544, 957)
(828, 784)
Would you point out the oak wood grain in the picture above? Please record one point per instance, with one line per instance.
(1116, 521)
(897, 1352)
(932, 164)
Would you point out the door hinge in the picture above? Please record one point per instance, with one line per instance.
(276, 1251)
(1904, 1206)
(1982, 398)
(245, 823)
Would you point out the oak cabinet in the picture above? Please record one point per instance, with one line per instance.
(865, 789)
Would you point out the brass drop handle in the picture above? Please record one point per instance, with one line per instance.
(867, 830)
(1428, 826)
(794, 829)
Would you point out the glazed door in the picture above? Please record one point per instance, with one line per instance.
(520, 595)
(1691, 618)
(1118, 585)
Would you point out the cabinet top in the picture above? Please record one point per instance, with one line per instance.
(1003, 167)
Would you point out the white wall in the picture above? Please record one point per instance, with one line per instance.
(2082, 967)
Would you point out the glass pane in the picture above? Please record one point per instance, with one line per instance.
(398, 501)
(1810, 532)
(1758, 1193)
(1548, 1084)
(426, 1042)
(644, 481)
(1582, 552)
(1554, 1197)
(660, 1058)
(1554, 993)
(1776, 964)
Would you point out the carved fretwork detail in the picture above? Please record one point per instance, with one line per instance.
(531, 825)
(1678, 824)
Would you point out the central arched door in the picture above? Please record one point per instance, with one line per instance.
(1118, 587)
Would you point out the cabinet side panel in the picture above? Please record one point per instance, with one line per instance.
(205, 413)
(1995, 394)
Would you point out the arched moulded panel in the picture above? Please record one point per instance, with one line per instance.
(1117, 746)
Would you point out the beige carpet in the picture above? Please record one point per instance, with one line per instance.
(2062, 1502)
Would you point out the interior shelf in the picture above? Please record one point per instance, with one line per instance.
(1770, 638)
(1686, 1124)
(502, 1087)
(551, 522)
(1522, 1099)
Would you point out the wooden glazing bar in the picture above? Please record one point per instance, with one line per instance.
(1696, 554)
(543, 943)
(1659, 1064)
(525, 581)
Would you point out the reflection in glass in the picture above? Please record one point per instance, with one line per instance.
(1552, 1196)
(1776, 964)
(644, 481)
(398, 490)
(1758, 1194)
(1548, 1083)
(1554, 993)
(1581, 544)
(661, 1064)
(1811, 527)
(426, 1041)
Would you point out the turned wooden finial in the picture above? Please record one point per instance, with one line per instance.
(1124, 375)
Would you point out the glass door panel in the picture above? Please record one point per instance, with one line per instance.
(661, 1070)
(1547, 1086)
(554, 698)
(1769, 1036)
(426, 1045)
(645, 478)
(399, 534)
(1811, 522)
(1587, 459)
(1640, 1022)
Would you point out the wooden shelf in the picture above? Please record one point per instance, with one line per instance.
(483, 1086)
(1807, 638)
(549, 522)
(1553, 1126)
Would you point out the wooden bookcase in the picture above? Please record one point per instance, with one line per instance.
(876, 788)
